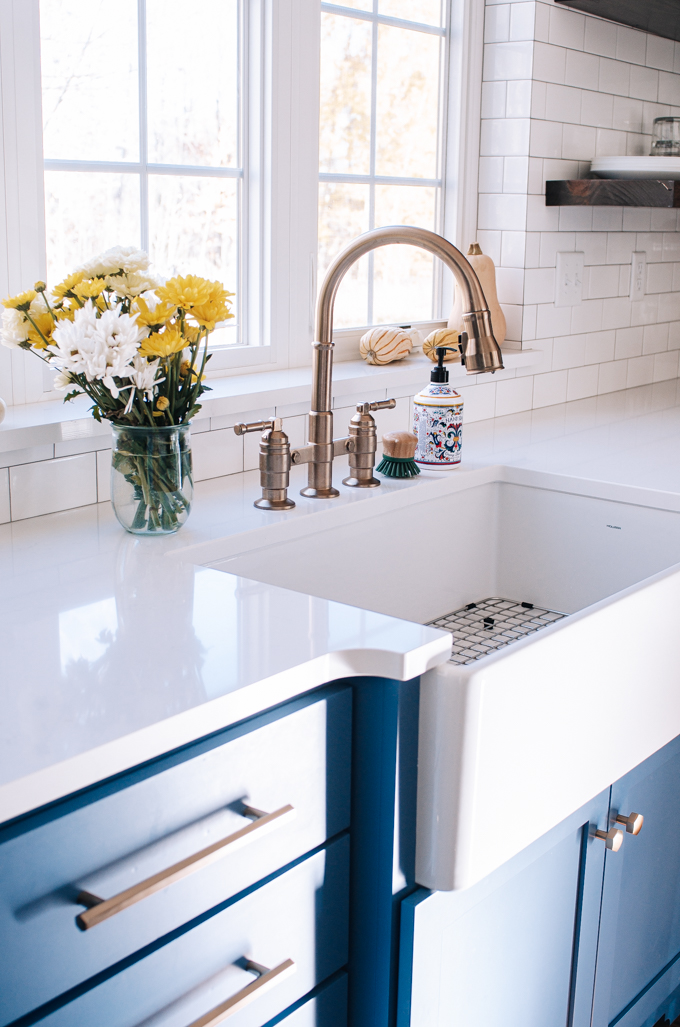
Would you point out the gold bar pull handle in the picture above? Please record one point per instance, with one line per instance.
(102, 909)
(266, 979)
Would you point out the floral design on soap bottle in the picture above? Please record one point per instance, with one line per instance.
(440, 434)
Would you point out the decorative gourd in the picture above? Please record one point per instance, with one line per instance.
(441, 337)
(486, 272)
(384, 345)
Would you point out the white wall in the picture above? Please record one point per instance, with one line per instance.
(559, 88)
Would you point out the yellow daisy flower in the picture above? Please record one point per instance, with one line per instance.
(45, 323)
(20, 302)
(156, 318)
(185, 292)
(68, 284)
(211, 313)
(89, 290)
(163, 344)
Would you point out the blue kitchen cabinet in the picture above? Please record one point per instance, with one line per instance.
(638, 964)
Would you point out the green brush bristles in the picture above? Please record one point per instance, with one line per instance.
(398, 467)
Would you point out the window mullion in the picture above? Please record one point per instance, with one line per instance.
(143, 134)
(371, 169)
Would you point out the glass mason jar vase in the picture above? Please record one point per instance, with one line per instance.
(151, 479)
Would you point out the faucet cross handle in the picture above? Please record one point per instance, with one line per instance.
(363, 443)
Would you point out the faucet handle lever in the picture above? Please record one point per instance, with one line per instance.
(242, 428)
(383, 404)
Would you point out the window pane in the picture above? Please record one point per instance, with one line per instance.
(192, 82)
(89, 79)
(407, 103)
(344, 214)
(360, 5)
(193, 227)
(87, 212)
(403, 275)
(428, 12)
(345, 114)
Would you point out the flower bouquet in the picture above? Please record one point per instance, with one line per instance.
(138, 348)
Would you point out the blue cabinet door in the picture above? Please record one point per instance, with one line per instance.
(638, 964)
(516, 949)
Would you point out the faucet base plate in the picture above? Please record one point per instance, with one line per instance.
(312, 493)
(361, 483)
(274, 504)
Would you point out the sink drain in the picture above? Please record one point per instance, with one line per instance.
(481, 628)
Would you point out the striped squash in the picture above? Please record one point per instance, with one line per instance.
(384, 345)
(442, 337)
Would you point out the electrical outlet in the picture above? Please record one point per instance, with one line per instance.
(638, 275)
(569, 284)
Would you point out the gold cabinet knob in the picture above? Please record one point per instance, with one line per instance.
(611, 838)
(633, 822)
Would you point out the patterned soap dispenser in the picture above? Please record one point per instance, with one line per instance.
(438, 420)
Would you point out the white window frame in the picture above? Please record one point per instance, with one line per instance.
(281, 40)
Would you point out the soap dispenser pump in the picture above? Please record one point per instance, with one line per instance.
(438, 419)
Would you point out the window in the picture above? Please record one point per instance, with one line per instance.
(141, 135)
(382, 76)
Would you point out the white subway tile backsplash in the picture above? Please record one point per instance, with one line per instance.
(515, 174)
(53, 485)
(597, 109)
(659, 277)
(567, 28)
(614, 77)
(493, 99)
(504, 137)
(504, 61)
(655, 338)
(578, 142)
(670, 247)
(607, 219)
(84, 445)
(563, 103)
(612, 376)
(582, 70)
(552, 321)
(549, 63)
(665, 366)
(631, 45)
(610, 143)
(620, 246)
(599, 347)
(513, 396)
(216, 453)
(616, 313)
(480, 403)
(587, 316)
(660, 53)
(669, 306)
(513, 322)
(491, 174)
(636, 219)
(539, 285)
(674, 335)
(627, 116)
(644, 83)
(552, 243)
(669, 89)
(640, 371)
(624, 279)
(604, 281)
(550, 388)
(103, 475)
(513, 249)
(663, 220)
(538, 94)
(522, 20)
(518, 103)
(652, 244)
(4, 496)
(594, 247)
(600, 37)
(510, 282)
(504, 211)
(676, 59)
(497, 23)
(532, 249)
(628, 343)
(646, 311)
(582, 382)
(576, 219)
(546, 139)
(568, 351)
(528, 322)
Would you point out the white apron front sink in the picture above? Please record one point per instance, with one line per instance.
(513, 743)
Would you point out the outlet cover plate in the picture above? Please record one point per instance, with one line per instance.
(569, 279)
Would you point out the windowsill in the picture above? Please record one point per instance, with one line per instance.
(36, 424)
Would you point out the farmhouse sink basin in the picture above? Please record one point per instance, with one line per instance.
(515, 741)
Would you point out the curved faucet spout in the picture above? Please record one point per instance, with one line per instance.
(481, 353)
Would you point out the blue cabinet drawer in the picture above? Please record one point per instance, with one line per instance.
(122, 843)
(297, 922)
(328, 1008)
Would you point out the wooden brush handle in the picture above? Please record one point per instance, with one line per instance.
(401, 444)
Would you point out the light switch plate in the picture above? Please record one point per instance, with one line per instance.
(569, 281)
(638, 275)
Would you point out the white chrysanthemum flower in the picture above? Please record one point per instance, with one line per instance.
(62, 381)
(39, 304)
(120, 258)
(101, 348)
(14, 329)
(143, 378)
(131, 285)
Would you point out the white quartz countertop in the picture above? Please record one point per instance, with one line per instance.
(114, 649)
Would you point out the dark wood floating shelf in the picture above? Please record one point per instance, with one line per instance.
(613, 192)
(662, 17)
